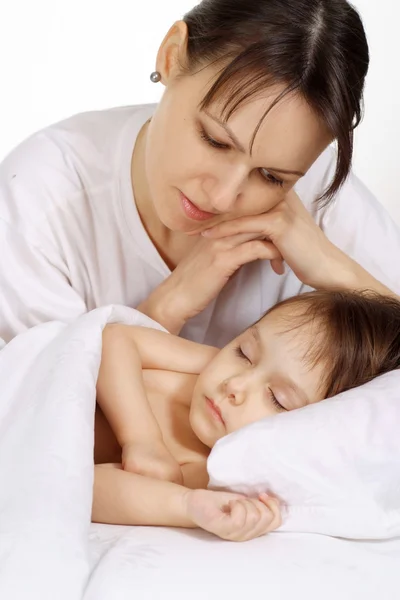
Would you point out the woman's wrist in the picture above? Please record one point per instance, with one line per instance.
(163, 309)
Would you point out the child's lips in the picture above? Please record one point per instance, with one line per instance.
(215, 410)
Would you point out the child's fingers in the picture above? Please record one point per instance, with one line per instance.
(265, 524)
(275, 508)
(236, 518)
(252, 518)
(244, 517)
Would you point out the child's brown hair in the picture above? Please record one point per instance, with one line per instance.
(357, 334)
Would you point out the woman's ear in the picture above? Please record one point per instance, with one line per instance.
(171, 55)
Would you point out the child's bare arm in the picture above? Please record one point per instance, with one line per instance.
(122, 397)
(127, 350)
(124, 498)
(166, 352)
(121, 394)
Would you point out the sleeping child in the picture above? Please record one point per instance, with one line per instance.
(163, 402)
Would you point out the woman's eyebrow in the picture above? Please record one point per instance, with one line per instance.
(286, 172)
(242, 149)
(228, 130)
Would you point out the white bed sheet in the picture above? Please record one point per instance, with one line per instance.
(49, 551)
(156, 563)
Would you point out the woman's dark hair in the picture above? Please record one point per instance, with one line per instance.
(356, 335)
(316, 48)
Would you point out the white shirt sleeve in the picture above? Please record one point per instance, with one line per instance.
(360, 226)
(33, 290)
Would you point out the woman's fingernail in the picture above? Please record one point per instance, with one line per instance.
(206, 233)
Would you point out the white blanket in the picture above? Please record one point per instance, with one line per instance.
(49, 551)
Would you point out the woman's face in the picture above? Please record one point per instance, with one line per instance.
(261, 373)
(200, 172)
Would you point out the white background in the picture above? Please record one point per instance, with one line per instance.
(59, 57)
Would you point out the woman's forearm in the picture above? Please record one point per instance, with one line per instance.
(351, 275)
(162, 308)
(123, 498)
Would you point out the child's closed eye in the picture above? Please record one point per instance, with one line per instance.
(239, 352)
(276, 402)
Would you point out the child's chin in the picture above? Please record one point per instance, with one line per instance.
(200, 431)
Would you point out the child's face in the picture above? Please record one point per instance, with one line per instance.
(261, 373)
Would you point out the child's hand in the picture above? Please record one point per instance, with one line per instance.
(232, 516)
(151, 459)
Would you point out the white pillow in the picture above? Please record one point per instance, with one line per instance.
(336, 464)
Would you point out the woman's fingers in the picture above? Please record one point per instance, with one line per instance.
(238, 239)
(203, 273)
(251, 251)
(235, 227)
(278, 265)
(271, 224)
(265, 225)
(302, 244)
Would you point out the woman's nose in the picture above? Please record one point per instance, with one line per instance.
(225, 190)
(223, 201)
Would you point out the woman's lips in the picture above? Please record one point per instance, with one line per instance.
(193, 212)
(215, 411)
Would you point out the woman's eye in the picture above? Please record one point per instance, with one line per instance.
(221, 146)
(270, 178)
(204, 136)
(239, 352)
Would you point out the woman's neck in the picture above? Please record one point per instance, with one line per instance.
(172, 246)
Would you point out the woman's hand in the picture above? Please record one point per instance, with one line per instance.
(200, 277)
(151, 459)
(232, 516)
(285, 233)
(303, 245)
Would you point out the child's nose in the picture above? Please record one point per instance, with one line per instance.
(235, 390)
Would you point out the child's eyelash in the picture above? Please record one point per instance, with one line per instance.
(239, 352)
(275, 402)
(220, 146)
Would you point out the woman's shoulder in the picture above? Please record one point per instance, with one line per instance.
(64, 159)
(98, 130)
(88, 136)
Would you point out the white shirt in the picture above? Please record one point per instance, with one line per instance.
(71, 238)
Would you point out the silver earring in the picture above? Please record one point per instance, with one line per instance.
(155, 76)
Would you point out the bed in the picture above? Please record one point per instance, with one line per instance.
(50, 551)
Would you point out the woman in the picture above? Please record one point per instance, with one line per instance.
(159, 207)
